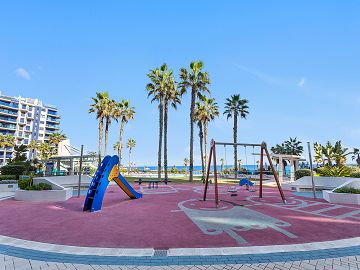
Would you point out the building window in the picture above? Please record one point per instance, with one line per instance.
(41, 135)
(29, 114)
(20, 133)
(26, 141)
(24, 106)
(42, 122)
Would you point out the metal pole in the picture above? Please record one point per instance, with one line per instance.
(80, 168)
(311, 171)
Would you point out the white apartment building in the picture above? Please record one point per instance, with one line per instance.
(26, 119)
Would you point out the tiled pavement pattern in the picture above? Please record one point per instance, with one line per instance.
(350, 262)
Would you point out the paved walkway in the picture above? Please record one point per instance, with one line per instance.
(350, 262)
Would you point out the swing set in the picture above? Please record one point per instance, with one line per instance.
(263, 151)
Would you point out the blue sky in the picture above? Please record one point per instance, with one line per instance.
(298, 63)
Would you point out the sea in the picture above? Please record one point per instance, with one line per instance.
(197, 169)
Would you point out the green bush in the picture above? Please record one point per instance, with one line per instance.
(342, 171)
(347, 190)
(301, 173)
(7, 177)
(40, 186)
(23, 184)
(355, 175)
(14, 169)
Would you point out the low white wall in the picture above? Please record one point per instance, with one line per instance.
(8, 187)
(58, 193)
(321, 183)
(345, 198)
(43, 195)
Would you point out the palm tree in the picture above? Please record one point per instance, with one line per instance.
(109, 108)
(356, 156)
(124, 112)
(293, 147)
(56, 138)
(234, 107)
(156, 89)
(6, 141)
(207, 110)
(172, 97)
(33, 146)
(201, 135)
(318, 157)
(130, 144)
(99, 107)
(340, 154)
(328, 152)
(116, 146)
(198, 81)
(186, 163)
(20, 152)
(45, 150)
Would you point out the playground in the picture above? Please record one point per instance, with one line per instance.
(175, 216)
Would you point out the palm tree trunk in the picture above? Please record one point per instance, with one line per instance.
(161, 118)
(101, 127)
(235, 146)
(165, 139)
(205, 142)
(192, 111)
(120, 140)
(129, 160)
(201, 135)
(106, 134)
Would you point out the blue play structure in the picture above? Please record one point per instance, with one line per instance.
(245, 182)
(106, 172)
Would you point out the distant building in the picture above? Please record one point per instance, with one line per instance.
(26, 119)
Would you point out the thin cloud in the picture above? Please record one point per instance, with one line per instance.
(262, 76)
(302, 82)
(23, 73)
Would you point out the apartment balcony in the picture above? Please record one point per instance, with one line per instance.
(7, 126)
(8, 112)
(8, 119)
(52, 127)
(53, 120)
(9, 105)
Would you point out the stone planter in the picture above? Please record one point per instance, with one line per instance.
(345, 198)
(43, 195)
(8, 187)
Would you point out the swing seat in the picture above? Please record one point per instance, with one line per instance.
(245, 181)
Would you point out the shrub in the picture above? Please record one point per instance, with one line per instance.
(40, 186)
(7, 177)
(23, 184)
(342, 171)
(347, 190)
(301, 173)
(355, 175)
(14, 169)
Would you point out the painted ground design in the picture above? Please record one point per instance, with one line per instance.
(174, 216)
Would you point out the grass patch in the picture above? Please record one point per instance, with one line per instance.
(347, 190)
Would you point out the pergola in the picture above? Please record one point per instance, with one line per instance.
(294, 165)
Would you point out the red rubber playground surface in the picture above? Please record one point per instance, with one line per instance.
(174, 216)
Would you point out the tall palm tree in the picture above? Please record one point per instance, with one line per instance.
(318, 157)
(201, 137)
(124, 112)
(186, 163)
(207, 110)
(20, 152)
(56, 138)
(45, 151)
(156, 89)
(235, 107)
(172, 97)
(116, 146)
(109, 108)
(6, 141)
(99, 107)
(130, 144)
(197, 80)
(293, 147)
(33, 146)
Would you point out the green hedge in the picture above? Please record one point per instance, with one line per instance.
(25, 185)
(355, 175)
(14, 169)
(347, 190)
(342, 171)
(301, 173)
(8, 177)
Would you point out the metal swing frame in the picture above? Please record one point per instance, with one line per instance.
(264, 151)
